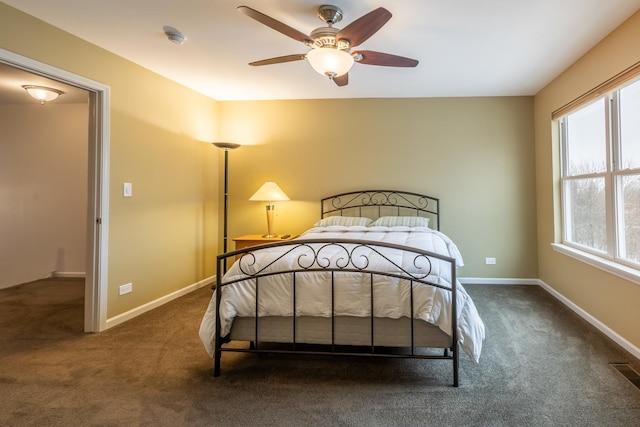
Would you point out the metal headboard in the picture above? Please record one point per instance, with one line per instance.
(376, 203)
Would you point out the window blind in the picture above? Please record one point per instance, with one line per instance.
(602, 89)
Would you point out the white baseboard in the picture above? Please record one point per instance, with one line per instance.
(116, 320)
(496, 281)
(68, 274)
(621, 341)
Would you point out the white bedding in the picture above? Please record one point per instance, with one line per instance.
(391, 296)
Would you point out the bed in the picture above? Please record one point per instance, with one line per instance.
(374, 276)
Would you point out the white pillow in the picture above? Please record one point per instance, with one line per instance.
(406, 221)
(346, 221)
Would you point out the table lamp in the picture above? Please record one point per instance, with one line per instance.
(269, 192)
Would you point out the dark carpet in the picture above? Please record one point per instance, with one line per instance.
(541, 366)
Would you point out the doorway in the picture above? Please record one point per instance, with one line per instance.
(98, 183)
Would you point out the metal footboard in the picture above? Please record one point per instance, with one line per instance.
(372, 259)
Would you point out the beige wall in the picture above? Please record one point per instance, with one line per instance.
(475, 154)
(165, 237)
(611, 300)
(43, 190)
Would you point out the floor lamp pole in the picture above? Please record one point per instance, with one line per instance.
(226, 146)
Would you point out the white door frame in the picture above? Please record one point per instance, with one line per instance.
(95, 301)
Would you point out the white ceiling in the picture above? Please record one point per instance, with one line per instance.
(465, 47)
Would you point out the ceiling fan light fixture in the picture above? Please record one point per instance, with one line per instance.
(42, 93)
(330, 61)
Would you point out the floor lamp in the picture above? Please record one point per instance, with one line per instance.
(226, 146)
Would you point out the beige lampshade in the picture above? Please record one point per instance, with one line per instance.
(269, 192)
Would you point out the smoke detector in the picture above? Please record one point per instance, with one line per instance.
(174, 35)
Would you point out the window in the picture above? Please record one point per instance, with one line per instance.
(601, 176)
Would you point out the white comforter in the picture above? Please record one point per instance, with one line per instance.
(352, 289)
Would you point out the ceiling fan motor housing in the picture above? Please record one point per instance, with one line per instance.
(326, 37)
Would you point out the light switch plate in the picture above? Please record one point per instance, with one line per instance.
(127, 189)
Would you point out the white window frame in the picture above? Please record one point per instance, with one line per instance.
(610, 260)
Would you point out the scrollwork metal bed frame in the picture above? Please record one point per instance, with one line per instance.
(358, 256)
(377, 203)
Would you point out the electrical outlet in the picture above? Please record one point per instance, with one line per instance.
(490, 261)
(125, 289)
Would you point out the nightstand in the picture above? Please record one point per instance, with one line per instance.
(257, 239)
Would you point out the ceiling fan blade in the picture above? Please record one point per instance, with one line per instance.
(370, 57)
(276, 25)
(342, 80)
(364, 27)
(279, 59)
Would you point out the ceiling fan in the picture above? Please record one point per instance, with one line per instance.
(330, 52)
